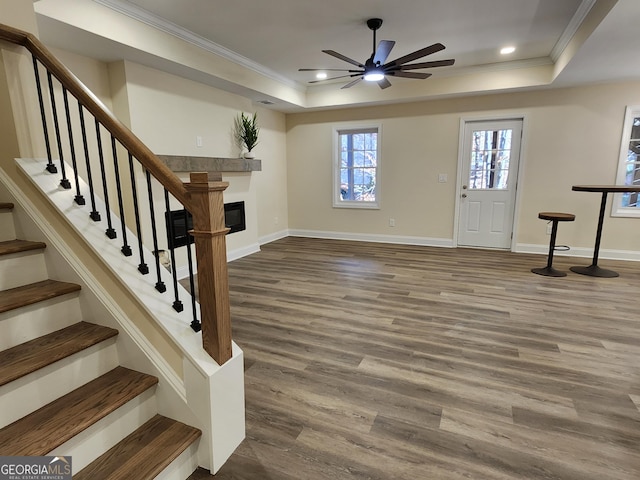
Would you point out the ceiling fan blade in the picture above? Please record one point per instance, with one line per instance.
(334, 78)
(436, 47)
(383, 51)
(437, 63)
(418, 75)
(351, 84)
(325, 70)
(384, 83)
(342, 57)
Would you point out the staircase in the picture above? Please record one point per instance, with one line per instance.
(62, 390)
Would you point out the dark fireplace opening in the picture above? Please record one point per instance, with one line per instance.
(179, 222)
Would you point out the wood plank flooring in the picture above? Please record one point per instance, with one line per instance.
(372, 361)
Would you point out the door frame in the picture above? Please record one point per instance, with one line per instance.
(460, 181)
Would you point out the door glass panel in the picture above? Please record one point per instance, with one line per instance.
(490, 154)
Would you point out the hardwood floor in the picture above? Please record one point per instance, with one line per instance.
(372, 361)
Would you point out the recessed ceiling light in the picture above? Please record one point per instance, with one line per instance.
(321, 75)
(507, 50)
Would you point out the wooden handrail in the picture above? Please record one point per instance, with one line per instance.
(132, 143)
(200, 197)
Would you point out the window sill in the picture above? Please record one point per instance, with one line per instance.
(357, 205)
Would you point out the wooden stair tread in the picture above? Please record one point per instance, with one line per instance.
(30, 356)
(17, 246)
(147, 451)
(34, 293)
(6, 206)
(50, 426)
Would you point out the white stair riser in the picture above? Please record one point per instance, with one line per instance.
(37, 389)
(20, 269)
(7, 229)
(183, 466)
(33, 321)
(100, 437)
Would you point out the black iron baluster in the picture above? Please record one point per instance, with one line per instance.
(195, 323)
(177, 304)
(94, 215)
(160, 286)
(51, 168)
(126, 249)
(142, 267)
(64, 183)
(110, 232)
(79, 199)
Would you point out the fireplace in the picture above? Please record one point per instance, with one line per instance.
(179, 222)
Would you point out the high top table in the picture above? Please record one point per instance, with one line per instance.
(594, 270)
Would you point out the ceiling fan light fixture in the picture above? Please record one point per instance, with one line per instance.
(377, 68)
(373, 76)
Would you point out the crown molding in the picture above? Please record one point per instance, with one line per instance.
(571, 29)
(177, 31)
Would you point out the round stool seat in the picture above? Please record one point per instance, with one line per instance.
(553, 217)
(557, 216)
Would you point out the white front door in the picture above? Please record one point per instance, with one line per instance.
(490, 156)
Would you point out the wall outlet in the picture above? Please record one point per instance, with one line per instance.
(198, 141)
(392, 222)
(549, 227)
(276, 220)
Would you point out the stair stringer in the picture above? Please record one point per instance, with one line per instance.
(201, 393)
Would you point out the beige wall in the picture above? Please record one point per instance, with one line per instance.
(168, 113)
(571, 136)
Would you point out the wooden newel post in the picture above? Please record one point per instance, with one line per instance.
(207, 208)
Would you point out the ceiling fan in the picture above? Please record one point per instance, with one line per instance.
(375, 69)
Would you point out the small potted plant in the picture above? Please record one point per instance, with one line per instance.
(247, 131)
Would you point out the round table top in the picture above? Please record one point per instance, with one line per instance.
(558, 216)
(606, 188)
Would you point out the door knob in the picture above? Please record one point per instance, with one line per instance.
(464, 195)
(464, 187)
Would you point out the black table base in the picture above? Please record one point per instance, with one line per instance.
(595, 271)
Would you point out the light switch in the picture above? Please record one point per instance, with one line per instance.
(442, 178)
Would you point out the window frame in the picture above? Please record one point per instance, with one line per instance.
(355, 128)
(617, 210)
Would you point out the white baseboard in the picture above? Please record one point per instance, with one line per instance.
(606, 254)
(243, 252)
(272, 237)
(183, 272)
(376, 238)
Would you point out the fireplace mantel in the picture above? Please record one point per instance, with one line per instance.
(179, 163)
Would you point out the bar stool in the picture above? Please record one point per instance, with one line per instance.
(554, 217)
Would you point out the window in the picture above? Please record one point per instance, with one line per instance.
(627, 204)
(356, 167)
(490, 155)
